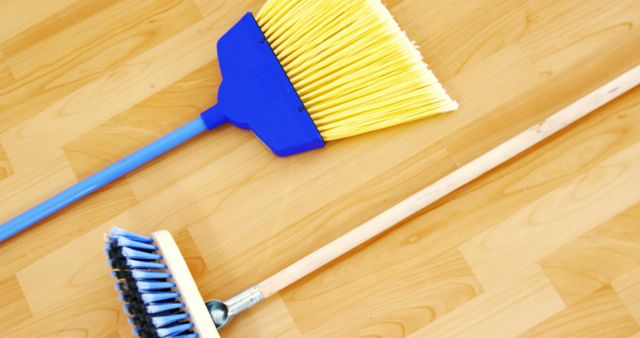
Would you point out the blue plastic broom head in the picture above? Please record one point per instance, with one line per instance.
(256, 93)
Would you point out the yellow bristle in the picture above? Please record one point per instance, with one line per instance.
(353, 67)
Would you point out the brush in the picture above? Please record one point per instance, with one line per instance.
(161, 297)
(299, 74)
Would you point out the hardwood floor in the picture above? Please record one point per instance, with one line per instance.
(546, 245)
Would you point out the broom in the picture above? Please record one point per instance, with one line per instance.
(299, 74)
(161, 298)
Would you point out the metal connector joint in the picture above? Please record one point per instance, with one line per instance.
(222, 312)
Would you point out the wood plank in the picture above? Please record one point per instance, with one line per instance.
(53, 24)
(92, 319)
(602, 314)
(20, 15)
(533, 294)
(14, 308)
(5, 165)
(24, 189)
(550, 222)
(6, 76)
(597, 258)
(271, 319)
(628, 289)
(143, 123)
(108, 38)
(322, 306)
(73, 222)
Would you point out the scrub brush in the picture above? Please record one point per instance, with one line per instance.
(162, 299)
(300, 73)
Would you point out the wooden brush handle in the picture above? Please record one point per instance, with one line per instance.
(451, 182)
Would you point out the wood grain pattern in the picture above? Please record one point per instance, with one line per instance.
(600, 314)
(546, 245)
(5, 166)
(628, 287)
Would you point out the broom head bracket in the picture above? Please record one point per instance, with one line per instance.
(256, 93)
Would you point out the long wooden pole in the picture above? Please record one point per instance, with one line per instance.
(451, 182)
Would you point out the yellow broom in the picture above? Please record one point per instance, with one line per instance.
(299, 74)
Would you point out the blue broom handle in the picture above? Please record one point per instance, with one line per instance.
(102, 178)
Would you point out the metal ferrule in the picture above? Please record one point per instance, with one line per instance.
(244, 300)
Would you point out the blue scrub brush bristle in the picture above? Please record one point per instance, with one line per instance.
(154, 299)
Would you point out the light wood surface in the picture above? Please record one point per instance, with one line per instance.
(546, 245)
